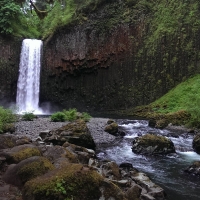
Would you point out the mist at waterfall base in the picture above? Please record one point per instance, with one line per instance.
(165, 171)
(28, 86)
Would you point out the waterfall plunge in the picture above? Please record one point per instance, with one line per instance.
(28, 85)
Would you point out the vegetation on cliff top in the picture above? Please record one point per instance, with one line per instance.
(165, 17)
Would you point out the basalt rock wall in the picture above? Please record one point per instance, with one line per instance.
(103, 62)
(9, 66)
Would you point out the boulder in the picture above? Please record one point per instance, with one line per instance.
(196, 143)
(19, 153)
(110, 170)
(7, 141)
(73, 181)
(152, 144)
(153, 191)
(112, 128)
(19, 174)
(76, 133)
(56, 153)
(194, 169)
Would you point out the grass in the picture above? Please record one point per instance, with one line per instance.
(6, 117)
(185, 96)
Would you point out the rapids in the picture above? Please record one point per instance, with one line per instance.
(166, 171)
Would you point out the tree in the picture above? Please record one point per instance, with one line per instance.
(9, 11)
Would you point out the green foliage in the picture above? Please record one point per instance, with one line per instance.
(28, 116)
(6, 117)
(69, 115)
(60, 187)
(185, 96)
(58, 117)
(9, 12)
(85, 116)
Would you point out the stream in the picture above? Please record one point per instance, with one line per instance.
(165, 171)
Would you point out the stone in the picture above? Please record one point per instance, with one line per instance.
(7, 141)
(152, 144)
(44, 133)
(19, 174)
(69, 179)
(112, 128)
(111, 170)
(76, 133)
(196, 143)
(134, 192)
(194, 168)
(152, 189)
(19, 153)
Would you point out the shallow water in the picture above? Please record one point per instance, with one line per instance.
(167, 171)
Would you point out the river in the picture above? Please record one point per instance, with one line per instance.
(166, 171)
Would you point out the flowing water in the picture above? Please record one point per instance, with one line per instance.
(29, 77)
(166, 171)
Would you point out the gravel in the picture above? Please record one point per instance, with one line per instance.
(33, 128)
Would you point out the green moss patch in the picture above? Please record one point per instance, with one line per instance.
(72, 181)
(24, 153)
(34, 168)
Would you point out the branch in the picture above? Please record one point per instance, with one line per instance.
(41, 14)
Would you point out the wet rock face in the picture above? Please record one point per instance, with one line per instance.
(196, 143)
(100, 63)
(153, 145)
(9, 66)
(194, 169)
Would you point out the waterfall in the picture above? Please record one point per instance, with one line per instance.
(29, 76)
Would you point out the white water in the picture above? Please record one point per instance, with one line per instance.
(28, 85)
(166, 171)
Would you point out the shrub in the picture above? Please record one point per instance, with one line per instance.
(71, 114)
(58, 117)
(85, 116)
(28, 116)
(6, 117)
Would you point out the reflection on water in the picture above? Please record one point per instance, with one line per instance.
(165, 171)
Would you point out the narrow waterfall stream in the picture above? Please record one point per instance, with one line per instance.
(29, 77)
(166, 171)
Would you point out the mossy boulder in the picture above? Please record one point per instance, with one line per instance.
(19, 153)
(73, 181)
(111, 127)
(152, 144)
(76, 133)
(57, 153)
(196, 143)
(19, 174)
(7, 141)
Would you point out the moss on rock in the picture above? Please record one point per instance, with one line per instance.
(19, 153)
(35, 166)
(153, 144)
(72, 181)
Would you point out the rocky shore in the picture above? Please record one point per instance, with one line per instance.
(33, 128)
(28, 149)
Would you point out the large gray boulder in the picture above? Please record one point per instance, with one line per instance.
(76, 133)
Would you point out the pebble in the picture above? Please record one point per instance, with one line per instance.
(33, 128)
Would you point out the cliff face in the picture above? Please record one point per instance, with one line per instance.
(9, 66)
(103, 63)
